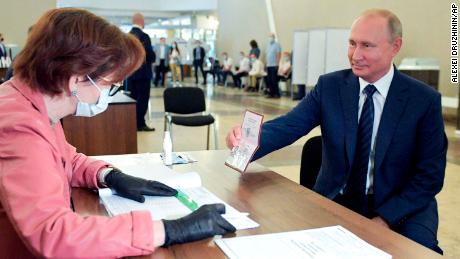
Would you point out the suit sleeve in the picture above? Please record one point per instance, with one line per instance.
(286, 129)
(32, 187)
(429, 169)
(149, 54)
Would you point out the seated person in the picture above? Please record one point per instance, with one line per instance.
(242, 70)
(52, 80)
(214, 70)
(227, 68)
(257, 71)
(284, 67)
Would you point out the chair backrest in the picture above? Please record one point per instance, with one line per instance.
(184, 100)
(311, 161)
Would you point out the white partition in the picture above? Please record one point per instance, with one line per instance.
(318, 51)
(299, 57)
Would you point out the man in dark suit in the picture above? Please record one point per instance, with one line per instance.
(198, 60)
(3, 52)
(384, 146)
(139, 81)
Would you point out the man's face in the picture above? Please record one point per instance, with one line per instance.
(370, 50)
(162, 41)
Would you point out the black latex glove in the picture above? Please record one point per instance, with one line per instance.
(134, 188)
(202, 223)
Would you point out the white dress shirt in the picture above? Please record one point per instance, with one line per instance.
(244, 65)
(379, 97)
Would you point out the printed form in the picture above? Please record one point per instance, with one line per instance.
(328, 242)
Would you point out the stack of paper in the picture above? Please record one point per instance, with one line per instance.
(143, 165)
(329, 242)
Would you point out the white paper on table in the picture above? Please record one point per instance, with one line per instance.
(172, 208)
(328, 242)
(150, 166)
(241, 155)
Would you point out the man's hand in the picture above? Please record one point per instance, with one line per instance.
(202, 223)
(234, 137)
(381, 222)
(134, 188)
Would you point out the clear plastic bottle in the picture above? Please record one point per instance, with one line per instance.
(167, 149)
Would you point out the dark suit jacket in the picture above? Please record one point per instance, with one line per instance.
(202, 52)
(145, 71)
(411, 146)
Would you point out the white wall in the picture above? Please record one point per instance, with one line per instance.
(239, 22)
(17, 16)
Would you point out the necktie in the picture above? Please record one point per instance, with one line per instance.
(355, 190)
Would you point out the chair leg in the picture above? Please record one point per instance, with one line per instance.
(216, 141)
(207, 141)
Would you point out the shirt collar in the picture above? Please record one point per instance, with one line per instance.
(137, 26)
(382, 85)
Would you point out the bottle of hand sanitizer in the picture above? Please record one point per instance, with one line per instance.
(167, 149)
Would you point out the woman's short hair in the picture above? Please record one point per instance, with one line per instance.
(67, 42)
(253, 44)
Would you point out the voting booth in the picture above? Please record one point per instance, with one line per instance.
(318, 51)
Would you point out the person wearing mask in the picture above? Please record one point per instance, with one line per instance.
(198, 60)
(272, 58)
(54, 79)
(162, 51)
(384, 143)
(254, 48)
(284, 68)
(174, 64)
(139, 81)
(227, 67)
(256, 72)
(242, 71)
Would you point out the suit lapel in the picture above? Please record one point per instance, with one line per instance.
(350, 97)
(392, 111)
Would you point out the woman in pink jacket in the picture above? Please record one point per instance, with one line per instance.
(67, 67)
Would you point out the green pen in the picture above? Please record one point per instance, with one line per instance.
(187, 201)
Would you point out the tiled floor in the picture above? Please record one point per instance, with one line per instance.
(228, 105)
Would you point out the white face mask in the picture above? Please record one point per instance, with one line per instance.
(91, 109)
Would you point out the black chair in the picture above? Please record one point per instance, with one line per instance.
(311, 161)
(186, 106)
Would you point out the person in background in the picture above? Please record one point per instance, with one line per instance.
(383, 137)
(3, 51)
(254, 49)
(174, 64)
(227, 67)
(284, 67)
(214, 70)
(139, 81)
(198, 59)
(162, 52)
(273, 55)
(54, 79)
(10, 71)
(242, 71)
(256, 72)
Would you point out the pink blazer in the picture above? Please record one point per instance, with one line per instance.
(37, 170)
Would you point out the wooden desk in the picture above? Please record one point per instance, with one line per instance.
(275, 202)
(109, 133)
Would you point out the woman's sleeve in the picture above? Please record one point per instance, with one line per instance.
(32, 193)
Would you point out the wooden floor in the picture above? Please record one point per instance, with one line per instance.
(228, 105)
